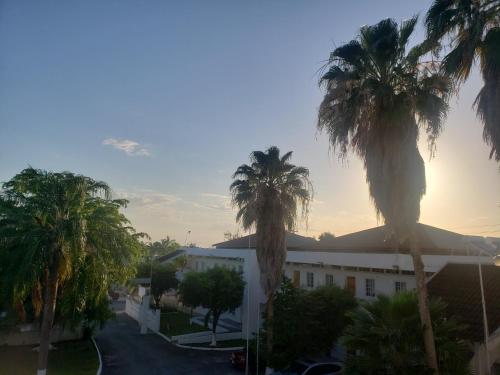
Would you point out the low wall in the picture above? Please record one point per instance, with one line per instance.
(141, 312)
(132, 308)
(206, 336)
(29, 334)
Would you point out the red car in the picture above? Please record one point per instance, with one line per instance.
(238, 359)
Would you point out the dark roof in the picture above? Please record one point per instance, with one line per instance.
(248, 242)
(458, 286)
(375, 240)
(169, 256)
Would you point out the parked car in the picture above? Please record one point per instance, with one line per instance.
(238, 359)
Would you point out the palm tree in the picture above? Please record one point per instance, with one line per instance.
(384, 333)
(472, 28)
(63, 239)
(267, 193)
(377, 97)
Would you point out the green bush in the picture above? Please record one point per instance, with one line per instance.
(385, 337)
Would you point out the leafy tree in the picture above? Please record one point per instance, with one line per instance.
(63, 242)
(163, 280)
(218, 289)
(387, 338)
(326, 236)
(162, 247)
(267, 194)
(471, 29)
(191, 290)
(180, 262)
(326, 315)
(378, 96)
(306, 322)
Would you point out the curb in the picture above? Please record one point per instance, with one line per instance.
(210, 349)
(99, 369)
(197, 347)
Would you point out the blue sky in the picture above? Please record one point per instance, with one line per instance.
(163, 100)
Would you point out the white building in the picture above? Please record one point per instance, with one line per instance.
(364, 262)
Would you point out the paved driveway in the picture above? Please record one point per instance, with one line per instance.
(125, 352)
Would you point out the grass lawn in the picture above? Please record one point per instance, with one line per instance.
(177, 323)
(70, 358)
(222, 344)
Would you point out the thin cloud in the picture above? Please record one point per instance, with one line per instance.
(132, 148)
(213, 195)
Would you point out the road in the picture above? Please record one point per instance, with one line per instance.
(125, 351)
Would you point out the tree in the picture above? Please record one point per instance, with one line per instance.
(180, 262)
(162, 247)
(230, 236)
(386, 338)
(63, 242)
(326, 236)
(267, 194)
(377, 98)
(191, 290)
(306, 322)
(218, 289)
(473, 29)
(163, 280)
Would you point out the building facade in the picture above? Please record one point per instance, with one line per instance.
(366, 263)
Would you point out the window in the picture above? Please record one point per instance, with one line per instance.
(197, 265)
(240, 268)
(400, 286)
(370, 287)
(328, 279)
(310, 280)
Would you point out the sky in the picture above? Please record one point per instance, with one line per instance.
(163, 100)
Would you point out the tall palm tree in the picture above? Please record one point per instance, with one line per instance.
(61, 232)
(377, 98)
(471, 28)
(268, 193)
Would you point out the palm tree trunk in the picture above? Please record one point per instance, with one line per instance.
(423, 306)
(215, 321)
(270, 315)
(49, 305)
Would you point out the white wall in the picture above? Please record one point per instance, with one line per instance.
(141, 312)
(384, 283)
(321, 263)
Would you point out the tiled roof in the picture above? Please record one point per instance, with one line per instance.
(458, 286)
(248, 242)
(432, 240)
